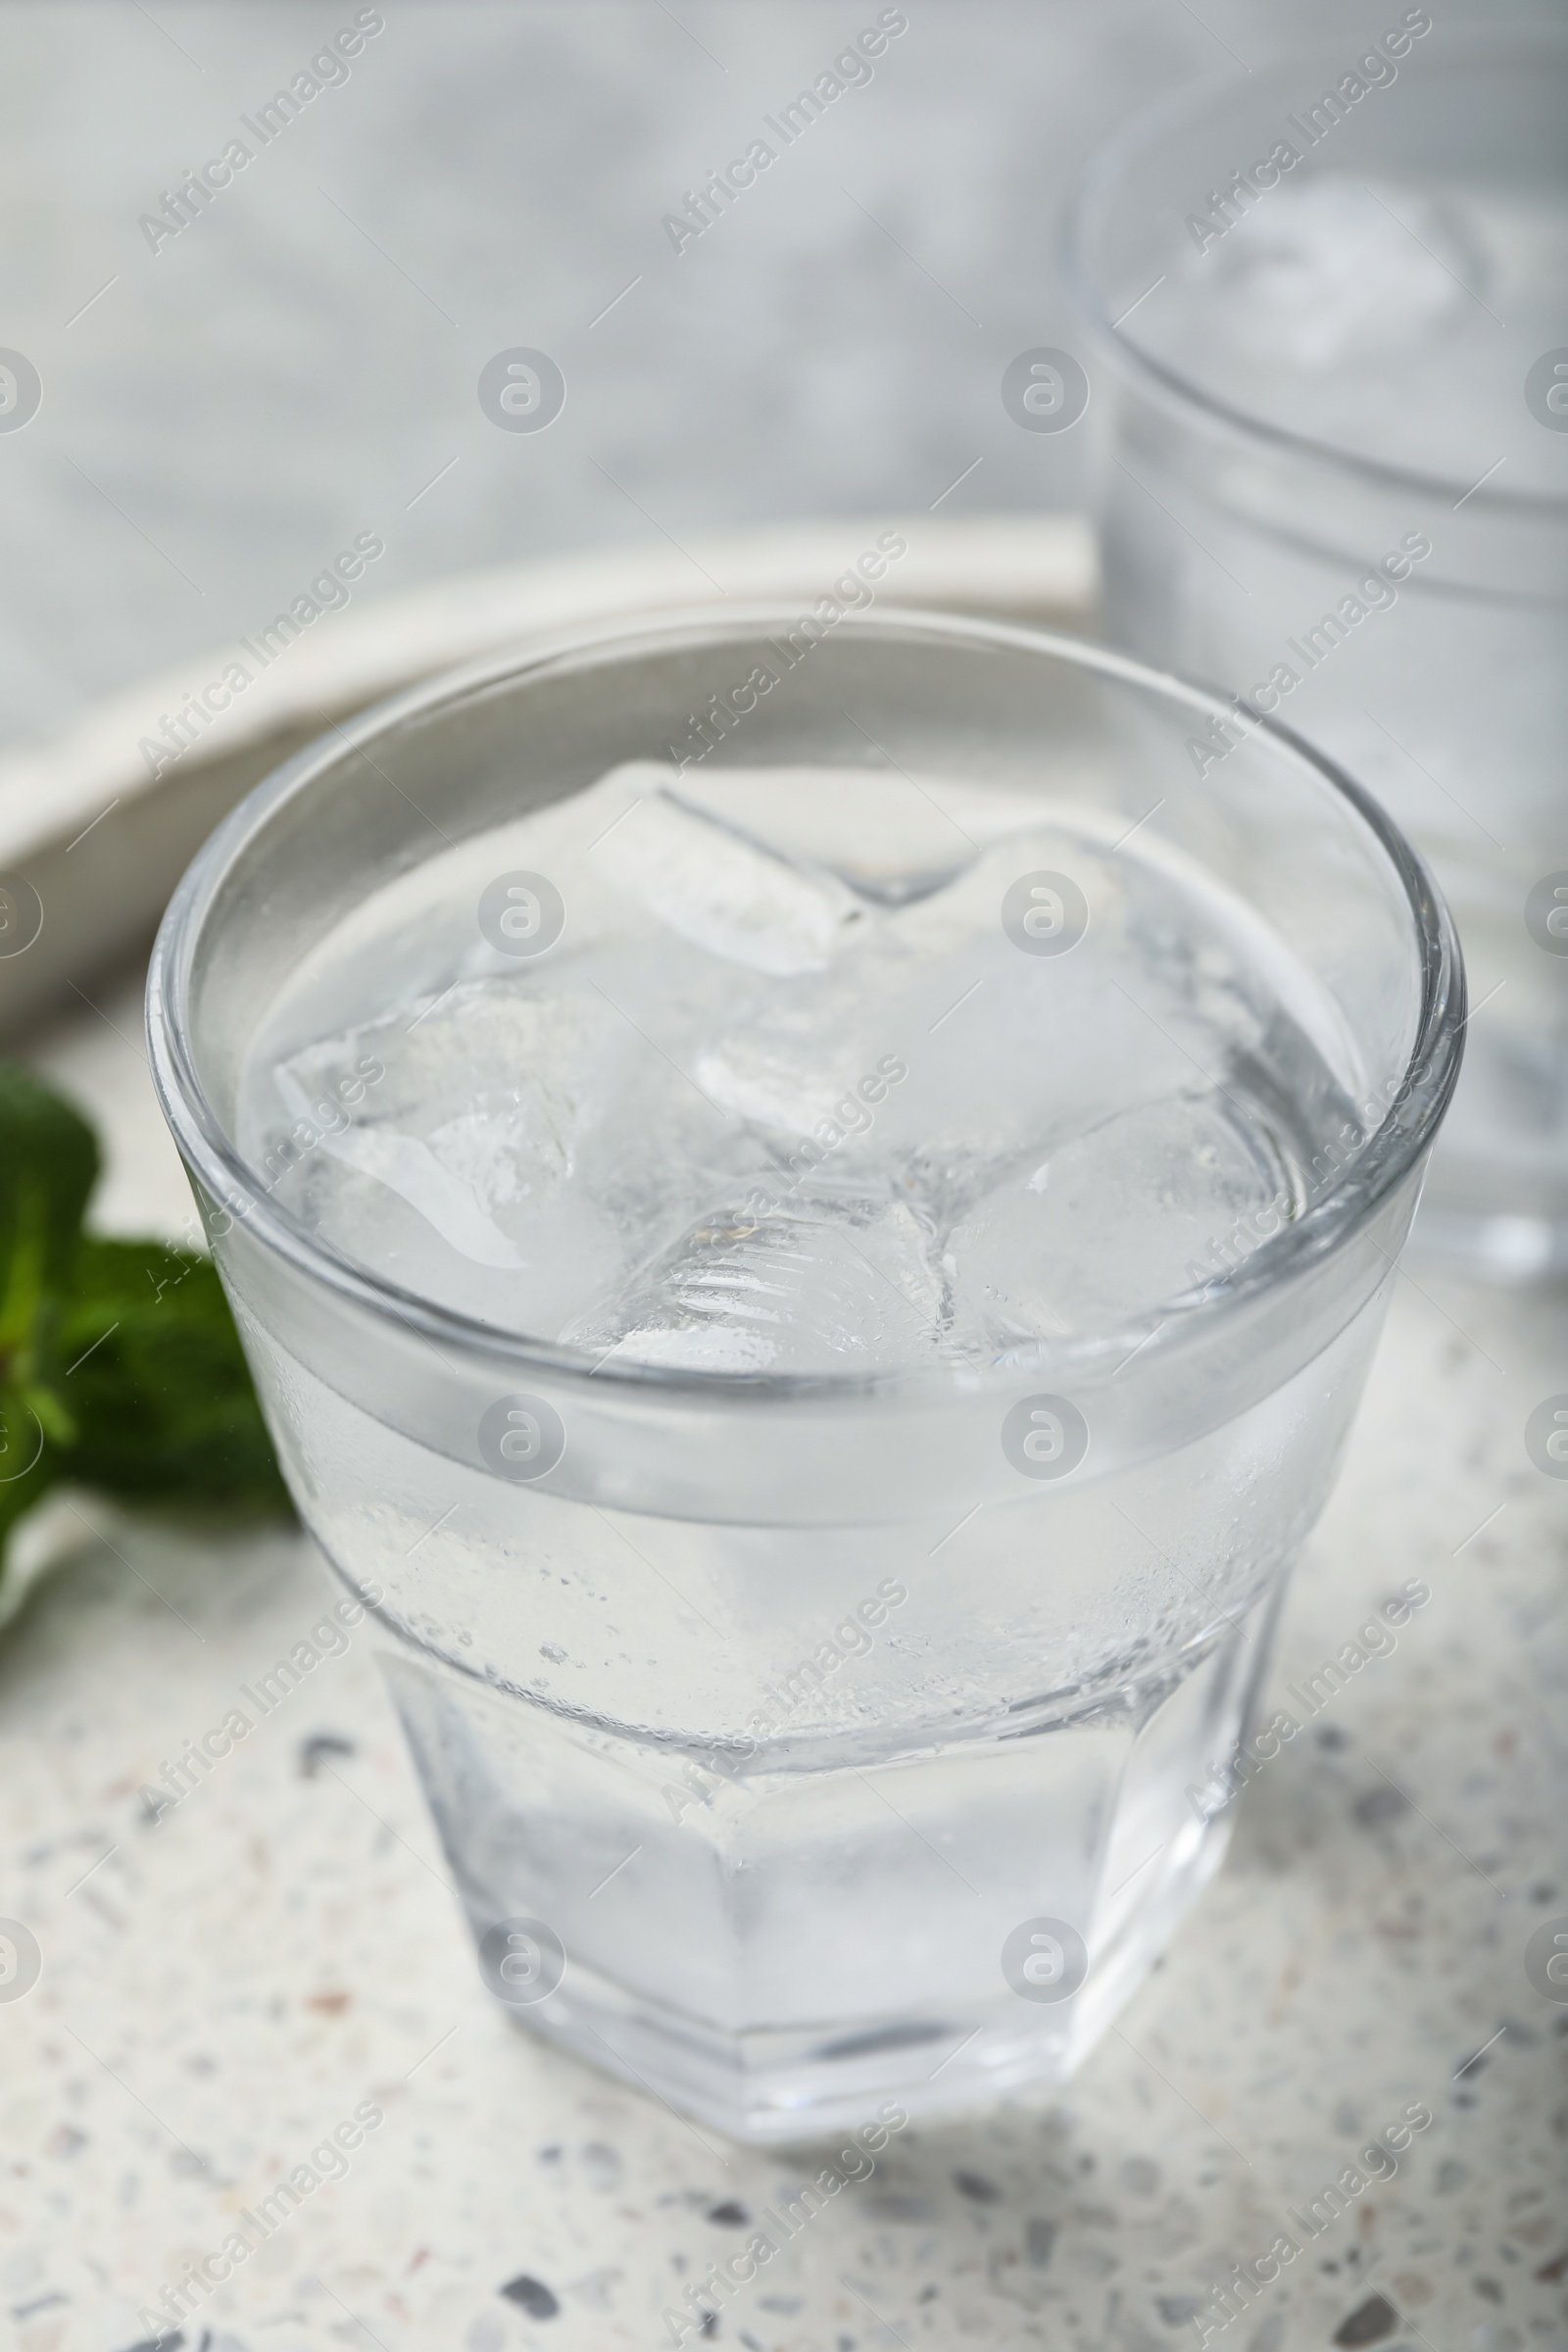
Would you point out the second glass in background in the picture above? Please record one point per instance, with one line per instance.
(1334, 476)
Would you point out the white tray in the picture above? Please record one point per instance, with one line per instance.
(103, 842)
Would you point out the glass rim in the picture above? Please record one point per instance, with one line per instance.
(1324, 1230)
(1097, 186)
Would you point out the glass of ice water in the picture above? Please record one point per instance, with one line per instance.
(1334, 460)
(810, 1203)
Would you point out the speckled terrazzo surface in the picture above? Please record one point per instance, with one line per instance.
(223, 1987)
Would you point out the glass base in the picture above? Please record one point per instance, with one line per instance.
(783, 1952)
(775, 2087)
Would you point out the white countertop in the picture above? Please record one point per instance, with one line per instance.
(221, 1988)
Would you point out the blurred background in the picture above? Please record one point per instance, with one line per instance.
(299, 365)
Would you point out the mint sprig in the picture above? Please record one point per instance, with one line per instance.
(119, 1365)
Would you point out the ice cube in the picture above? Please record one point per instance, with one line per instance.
(1147, 1207)
(934, 1041)
(886, 834)
(447, 1197)
(1331, 268)
(790, 1094)
(725, 891)
(471, 1111)
(809, 1283)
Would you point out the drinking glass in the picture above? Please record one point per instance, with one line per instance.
(816, 1745)
(1333, 460)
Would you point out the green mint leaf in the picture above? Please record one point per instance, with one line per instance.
(48, 1167)
(120, 1364)
(28, 1464)
(159, 1390)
